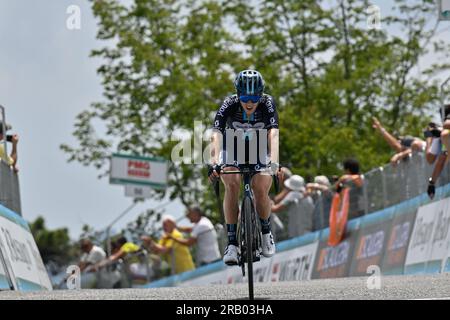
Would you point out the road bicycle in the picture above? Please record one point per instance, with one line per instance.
(249, 228)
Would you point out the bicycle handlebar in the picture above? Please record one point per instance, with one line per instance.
(246, 170)
(239, 171)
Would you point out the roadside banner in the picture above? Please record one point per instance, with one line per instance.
(428, 238)
(4, 278)
(370, 247)
(440, 240)
(398, 241)
(290, 265)
(338, 216)
(294, 265)
(335, 261)
(21, 254)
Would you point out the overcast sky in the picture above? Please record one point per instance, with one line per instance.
(46, 79)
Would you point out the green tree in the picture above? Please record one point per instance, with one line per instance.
(54, 245)
(339, 74)
(171, 62)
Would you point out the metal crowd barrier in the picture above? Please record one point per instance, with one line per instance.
(9, 188)
(384, 187)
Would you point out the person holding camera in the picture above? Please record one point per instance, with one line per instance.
(438, 143)
(11, 160)
(404, 146)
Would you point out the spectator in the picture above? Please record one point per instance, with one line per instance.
(334, 179)
(177, 255)
(445, 134)
(279, 222)
(92, 255)
(322, 195)
(11, 160)
(203, 234)
(403, 146)
(320, 184)
(351, 175)
(353, 179)
(122, 248)
(287, 174)
(438, 142)
(125, 248)
(434, 145)
(299, 207)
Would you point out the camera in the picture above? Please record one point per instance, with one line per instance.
(433, 130)
(9, 138)
(445, 112)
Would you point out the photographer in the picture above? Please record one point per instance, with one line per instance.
(404, 146)
(438, 142)
(11, 160)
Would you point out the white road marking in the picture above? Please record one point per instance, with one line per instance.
(442, 298)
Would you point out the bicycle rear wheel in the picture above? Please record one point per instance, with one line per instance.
(247, 215)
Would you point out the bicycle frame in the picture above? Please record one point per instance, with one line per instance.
(249, 228)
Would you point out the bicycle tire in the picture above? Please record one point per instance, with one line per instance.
(247, 212)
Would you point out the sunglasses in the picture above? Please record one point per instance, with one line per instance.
(254, 99)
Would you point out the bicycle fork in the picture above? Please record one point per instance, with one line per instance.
(249, 223)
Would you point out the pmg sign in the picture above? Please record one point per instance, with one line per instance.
(136, 170)
(444, 10)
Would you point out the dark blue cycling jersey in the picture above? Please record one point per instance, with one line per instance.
(232, 116)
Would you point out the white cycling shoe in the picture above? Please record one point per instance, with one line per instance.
(230, 257)
(268, 245)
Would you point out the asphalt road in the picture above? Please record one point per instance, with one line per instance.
(392, 287)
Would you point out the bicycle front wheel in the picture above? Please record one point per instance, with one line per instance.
(248, 212)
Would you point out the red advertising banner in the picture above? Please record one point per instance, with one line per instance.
(338, 216)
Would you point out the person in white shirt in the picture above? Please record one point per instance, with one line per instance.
(299, 207)
(92, 254)
(203, 234)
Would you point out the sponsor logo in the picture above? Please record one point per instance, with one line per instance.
(292, 270)
(422, 233)
(247, 126)
(223, 108)
(369, 251)
(399, 237)
(398, 244)
(138, 168)
(441, 231)
(269, 105)
(18, 250)
(370, 245)
(331, 257)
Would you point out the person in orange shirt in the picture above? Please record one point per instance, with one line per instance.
(178, 255)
